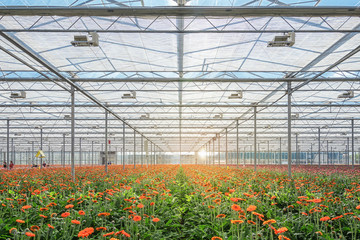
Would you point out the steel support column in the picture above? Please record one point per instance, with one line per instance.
(134, 149)
(226, 147)
(41, 146)
(352, 144)
(289, 127)
(319, 150)
(255, 140)
(142, 150)
(123, 149)
(72, 133)
(92, 153)
(237, 143)
(106, 141)
(8, 143)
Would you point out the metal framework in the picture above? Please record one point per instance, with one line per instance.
(182, 63)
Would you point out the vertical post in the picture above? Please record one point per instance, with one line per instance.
(123, 149)
(92, 153)
(41, 145)
(214, 151)
(255, 140)
(280, 157)
(311, 154)
(49, 154)
(12, 151)
(106, 141)
(226, 147)
(297, 149)
(319, 145)
(142, 150)
(237, 143)
(352, 144)
(268, 153)
(80, 152)
(348, 151)
(219, 148)
(289, 127)
(72, 133)
(134, 148)
(331, 156)
(327, 152)
(32, 150)
(8, 143)
(63, 150)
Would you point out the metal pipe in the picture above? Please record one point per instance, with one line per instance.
(289, 93)
(80, 152)
(106, 141)
(352, 144)
(63, 160)
(255, 140)
(123, 152)
(134, 149)
(219, 148)
(226, 147)
(72, 133)
(92, 153)
(8, 144)
(237, 143)
(41, 146)
(142, 151)
(319, 153)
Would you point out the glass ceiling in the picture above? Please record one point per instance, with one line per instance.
(181, 72)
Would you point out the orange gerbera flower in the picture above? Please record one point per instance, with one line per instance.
(156, 220)
(12, 229)
(251, 208)
(50, 226)
(101, 229)
(34, 228)
(104, 214)
(30, 234)
(69, 206)
(81, 212)
(26, 207)
(75, 221)
(86, 232)
(137, 218)
(281, 230)
(20, 221)
(216, 238)
(336, 218)
(221, 216)
(140, 205)
(108, 234)
(324, 219)
(237, 221)
(271, 221)
(65, 214)
(235, 207)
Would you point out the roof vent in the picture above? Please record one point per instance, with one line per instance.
(348, 94)
(21, 94)
(131, 95)
(237, 95)
(90, 40)
(286, 40)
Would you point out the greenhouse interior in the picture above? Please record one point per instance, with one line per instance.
(160, 95)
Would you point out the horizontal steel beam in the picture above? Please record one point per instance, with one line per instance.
(182, 90)
(253, 31)
(141, 80)
(170, 105)
(185, 119)
(181, 11)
